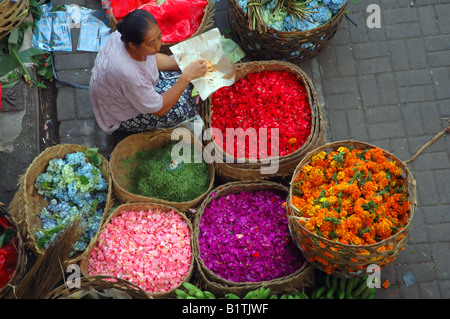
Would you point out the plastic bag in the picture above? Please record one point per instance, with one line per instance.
(61, 38)
(52, 30)
(93, 32)
(177, 19)
(120, 8)
(232, 50)
(42, 31)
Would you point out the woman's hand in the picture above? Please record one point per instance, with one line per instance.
(195, 70)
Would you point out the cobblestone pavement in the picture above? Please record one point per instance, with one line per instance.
(387, 86)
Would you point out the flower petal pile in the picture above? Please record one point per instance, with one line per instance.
(266, 99)
(8, 251)
(73, 187)
(150, 248)
(244, 237)
(352, 196)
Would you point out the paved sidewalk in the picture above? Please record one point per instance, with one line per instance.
(389, 87)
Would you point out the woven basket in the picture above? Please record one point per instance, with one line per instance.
(349, 260)
(106, 285)
(207, 23)
(148, 141)
(21, 265)
(282, 45)
(300, 279)
(286, 164)
(11, 15)
(84, 263)
(31, 203)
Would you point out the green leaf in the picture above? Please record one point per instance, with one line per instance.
(14, 36)
(7, 235)
(94, 157)
(84, 180)
(48, 233)
(39, 84)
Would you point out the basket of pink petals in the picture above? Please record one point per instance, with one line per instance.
(147, 244)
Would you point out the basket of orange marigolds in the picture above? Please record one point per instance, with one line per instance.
(350, 205)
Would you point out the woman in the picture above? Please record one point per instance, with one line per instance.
(128, 91)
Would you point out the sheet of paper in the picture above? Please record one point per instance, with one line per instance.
(206, 46)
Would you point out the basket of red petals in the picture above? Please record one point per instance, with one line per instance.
(263, 124)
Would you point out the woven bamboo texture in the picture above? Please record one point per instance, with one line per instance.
(206, 24)
(91, 286)
(230, 170)
(132, 144)
(84, 263)
(11, 15)
(302, 278)
(27, 203)
(294, 46)
(349, 260)
(21, 265)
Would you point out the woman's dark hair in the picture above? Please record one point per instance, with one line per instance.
(134, 26)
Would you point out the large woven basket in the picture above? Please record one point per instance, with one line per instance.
(271, 44)
(349, 260)
(21, 265)
(141, 142)
(300, 279)
(249, 170)
(84, 263)
(30, 203)
(207, 23)
(11, 15)
(94, 287)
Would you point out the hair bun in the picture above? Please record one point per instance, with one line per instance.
(119, 26)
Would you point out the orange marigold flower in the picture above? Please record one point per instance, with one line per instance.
(352, 196)
(386, 284)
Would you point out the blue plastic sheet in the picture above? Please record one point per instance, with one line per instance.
(93, 32)
(42, 31)
(52, 30)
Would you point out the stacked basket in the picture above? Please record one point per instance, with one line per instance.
(27, 203)
(21, 263)
(99, 287)
(146, 141)
(12, 14)
(333, 256)
(283, 45)
(232, 170)
(87, 269)
(302, 278)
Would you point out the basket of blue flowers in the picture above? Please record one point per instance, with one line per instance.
(63, 183)
(284, 29)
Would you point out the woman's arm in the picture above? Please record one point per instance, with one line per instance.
(166, 63)
(193, 71)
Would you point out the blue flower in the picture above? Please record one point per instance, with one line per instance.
(243, 4)
(322, 15)
(71, 185)
(334, 5)
(77, 158)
